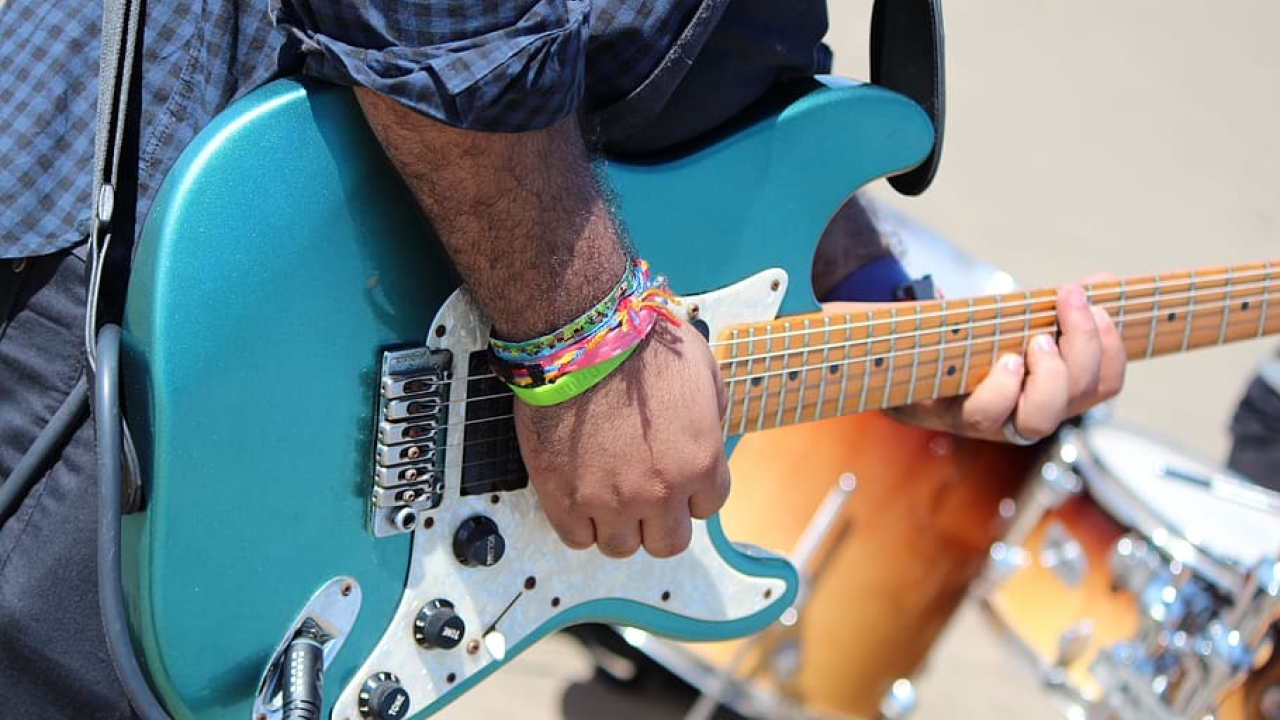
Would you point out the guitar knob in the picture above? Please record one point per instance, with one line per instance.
(383, 698)
(438, 626)
(477, 543)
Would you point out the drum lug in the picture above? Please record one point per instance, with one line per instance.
(1059, 481)
(1134, 563)
(1073, 643)
(1062, 555)
(1005, 559)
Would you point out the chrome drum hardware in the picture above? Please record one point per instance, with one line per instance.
(1139, 595)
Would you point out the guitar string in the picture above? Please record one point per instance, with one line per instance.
(855, 345)
(1230, 297)
(893, 385)
(961, 306)
(1015, 300)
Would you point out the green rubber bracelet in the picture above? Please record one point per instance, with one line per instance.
(571, 385)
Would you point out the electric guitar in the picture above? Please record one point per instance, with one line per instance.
(326, 454)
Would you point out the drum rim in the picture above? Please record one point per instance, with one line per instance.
(1127, 508)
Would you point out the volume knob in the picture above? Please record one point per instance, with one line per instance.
(438, 626)
(383, 698)
(477, 543)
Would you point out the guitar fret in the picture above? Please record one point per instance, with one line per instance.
(893, 346)
(1155, 315)
(784, 376)
(746, 395)
(1026, 317)
(915, 359)
(942, 353)
(866, 369)
(802, 375)
(1120, 313)
(1262, 316)
(968, 347)
(1191, 308)
(734, 368)
(995, 336)
(822, 371)
(764, 382)
(1226, 310)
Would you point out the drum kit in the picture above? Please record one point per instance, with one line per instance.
(1133, 581)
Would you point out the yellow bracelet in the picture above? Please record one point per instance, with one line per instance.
(570, 385)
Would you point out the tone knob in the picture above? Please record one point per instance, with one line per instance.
(477, 543)
(383, 698)
(438, 626)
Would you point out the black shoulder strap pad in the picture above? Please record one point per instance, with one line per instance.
(907, 57)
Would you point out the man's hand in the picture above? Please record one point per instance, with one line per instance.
(629, 462)
(1052, 383)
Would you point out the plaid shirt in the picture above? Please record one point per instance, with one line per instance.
(494, 65)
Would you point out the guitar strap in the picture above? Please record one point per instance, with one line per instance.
(115, 162)
(112, 226)
(907, 56)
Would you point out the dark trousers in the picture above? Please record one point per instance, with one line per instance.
(54, 662)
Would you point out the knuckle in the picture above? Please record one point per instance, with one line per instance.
(574, 538)
(618, 544)
(668, 544)
(1087, 387)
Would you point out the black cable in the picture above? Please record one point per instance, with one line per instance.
(108, 424)
(35, 461)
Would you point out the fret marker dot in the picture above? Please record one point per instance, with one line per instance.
(1244, 305)
(793, 375)
(879, 361)
(955, 331)
(1173, 316)
(755, 381)
(834, 369)
(951, 370)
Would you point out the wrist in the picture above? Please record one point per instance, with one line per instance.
(567, 362)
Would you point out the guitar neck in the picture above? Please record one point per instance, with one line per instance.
(810, 367)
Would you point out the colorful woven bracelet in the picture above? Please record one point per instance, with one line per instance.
(585, 324)
(596, 338)
(572, 385)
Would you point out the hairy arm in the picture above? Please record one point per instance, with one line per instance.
(628, 463)
(520, 214)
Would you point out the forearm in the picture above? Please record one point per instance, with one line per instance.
(520, 214)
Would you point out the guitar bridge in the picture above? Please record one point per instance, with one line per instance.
(413, 409)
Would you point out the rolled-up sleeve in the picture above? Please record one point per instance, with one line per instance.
(489, 65)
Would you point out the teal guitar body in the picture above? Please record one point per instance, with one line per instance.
(301, 381)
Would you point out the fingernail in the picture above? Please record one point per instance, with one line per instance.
(1012, 364)
(1044, 343)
